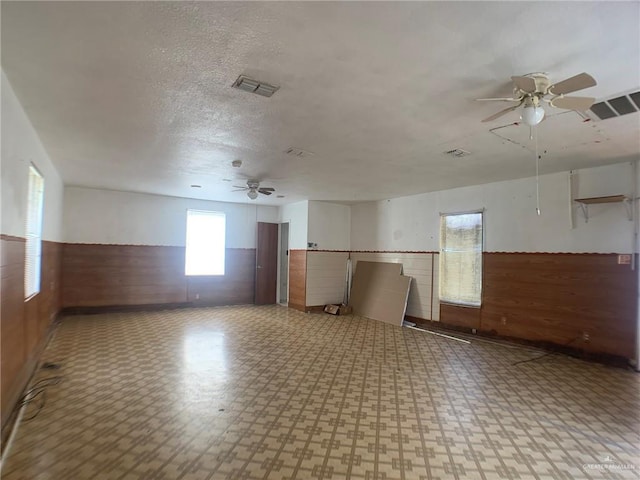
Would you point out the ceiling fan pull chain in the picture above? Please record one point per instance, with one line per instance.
(537, 172)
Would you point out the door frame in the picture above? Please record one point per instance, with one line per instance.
(278, 293)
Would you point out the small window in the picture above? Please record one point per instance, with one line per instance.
(33, 254)
(461, 259)
(205, 243)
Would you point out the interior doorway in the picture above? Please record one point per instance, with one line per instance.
(266, 264)
(283, 265)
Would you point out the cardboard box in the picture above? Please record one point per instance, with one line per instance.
(332, 309)
(338, 309)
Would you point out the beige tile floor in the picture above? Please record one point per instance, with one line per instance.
(270, 393)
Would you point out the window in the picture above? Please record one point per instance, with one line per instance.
(33, 254)
(461, 259)
(205, 243)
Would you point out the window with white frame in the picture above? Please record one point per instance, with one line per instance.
(205, 243)
(461, 258)
(33, 251)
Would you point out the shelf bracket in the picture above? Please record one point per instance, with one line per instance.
(585, 202)
(629, 208)
(585, 212)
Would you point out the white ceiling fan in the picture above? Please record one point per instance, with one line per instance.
(532, 89)
(253, 188)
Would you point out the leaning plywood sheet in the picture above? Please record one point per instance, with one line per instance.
(380, 291)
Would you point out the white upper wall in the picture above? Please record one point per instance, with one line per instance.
(329, 225)
(297, 215)
(126, 218)
(511, 223)
(21, 146)
(406, 224)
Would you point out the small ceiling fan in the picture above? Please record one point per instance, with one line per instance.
(253, 188)
(532, 89)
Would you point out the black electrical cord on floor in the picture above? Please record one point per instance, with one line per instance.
(38, 390)
(45, 382)
(50, 366)
(35, 393)
(547, 354)
(43, 400)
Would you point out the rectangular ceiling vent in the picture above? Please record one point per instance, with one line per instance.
(615, 107)
(254, 86)
(457, 153)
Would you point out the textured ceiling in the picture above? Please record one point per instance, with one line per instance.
(137, 96)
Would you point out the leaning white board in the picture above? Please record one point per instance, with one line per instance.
(380, 291)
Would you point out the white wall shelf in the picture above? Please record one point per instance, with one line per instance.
(585, 202)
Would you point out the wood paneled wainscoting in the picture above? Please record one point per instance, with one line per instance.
(25, 324)
(581, 301)
(236, 287)
(587, 301)
(584, 301)
(298, 279)
(98, 275)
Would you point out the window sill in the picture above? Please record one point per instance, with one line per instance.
(204, 275)
(31, 297)
(463, 305)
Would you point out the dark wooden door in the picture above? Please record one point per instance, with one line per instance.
(266, 263)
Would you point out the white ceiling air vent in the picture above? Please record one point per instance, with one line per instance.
(297, 152)
(254, 86)
(457, 153)
(615, 106)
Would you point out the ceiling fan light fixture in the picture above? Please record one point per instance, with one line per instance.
(532, 115)
(252, 194)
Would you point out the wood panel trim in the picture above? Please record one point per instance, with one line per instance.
(557, 253)
(138, 245)
(298, 279)
(295, 306)
(433, 266)
(436, 324)
(314, 308)
(426, 252)
(327, 251)
(573, 351)
(435, 252)
(11, 238)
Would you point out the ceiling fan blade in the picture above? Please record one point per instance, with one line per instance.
(526, 84)
(268, 189)
(265, 192)
(241, 188)
(573, 84)
(573, 103)
(499, 99)
(501, 113)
